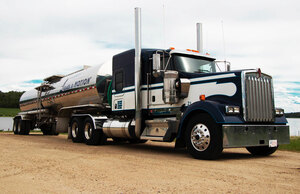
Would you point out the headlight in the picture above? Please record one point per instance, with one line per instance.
(279, 112)
(231, 110)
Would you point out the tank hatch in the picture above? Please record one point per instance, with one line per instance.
(44, 87)
(53, 78)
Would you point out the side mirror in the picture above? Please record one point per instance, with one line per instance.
(156, 62)
(156, 65)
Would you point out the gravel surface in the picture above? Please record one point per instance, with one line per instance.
(53, 164)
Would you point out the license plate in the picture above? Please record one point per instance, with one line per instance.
(273, 143)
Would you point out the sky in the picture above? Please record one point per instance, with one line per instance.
(40, 38)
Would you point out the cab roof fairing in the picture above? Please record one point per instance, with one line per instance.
(105, 69)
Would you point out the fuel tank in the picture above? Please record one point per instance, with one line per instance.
(86, 86)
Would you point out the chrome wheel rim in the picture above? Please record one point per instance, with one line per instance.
(200, 137)
(88, 131)
(74, 130)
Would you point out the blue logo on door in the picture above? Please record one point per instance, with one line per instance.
(119, 104)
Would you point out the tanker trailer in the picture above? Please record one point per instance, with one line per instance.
(50, 105)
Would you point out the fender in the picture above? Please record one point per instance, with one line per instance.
(214, 109)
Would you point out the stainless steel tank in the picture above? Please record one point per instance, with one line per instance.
(87, 86)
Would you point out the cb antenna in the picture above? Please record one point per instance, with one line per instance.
(223, 37)
(164, 25)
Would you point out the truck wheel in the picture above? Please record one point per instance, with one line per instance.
(203, 137)
(93, 136)
(15, 126)
(77, 130)
(23, 127)
(48, 129)
(261, 150)
(45, 129)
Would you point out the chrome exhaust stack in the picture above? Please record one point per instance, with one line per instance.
(199, 38)
(137, 73)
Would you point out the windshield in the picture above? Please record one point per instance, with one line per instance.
(193, 65)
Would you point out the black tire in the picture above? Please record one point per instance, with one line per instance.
(77, 130)
(91, 135)
(25, 127)
(45, 129)
(48, 129)
(15, 126)
(261, 150)
(203, 137)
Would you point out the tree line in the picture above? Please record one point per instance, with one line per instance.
(10, 99)
(292, 115)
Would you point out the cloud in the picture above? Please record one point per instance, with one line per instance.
(42, 38)
(287, 95)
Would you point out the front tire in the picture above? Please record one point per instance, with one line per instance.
(203, 137)
(261, 150)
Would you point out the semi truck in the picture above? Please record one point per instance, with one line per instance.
(161, 95)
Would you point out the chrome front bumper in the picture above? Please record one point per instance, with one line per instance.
(254, 135)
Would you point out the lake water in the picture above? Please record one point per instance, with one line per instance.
(6, 124)
(294, 127)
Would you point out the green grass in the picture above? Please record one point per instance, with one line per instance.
(9, 112)
(293, 146)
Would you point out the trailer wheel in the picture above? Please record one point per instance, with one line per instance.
(203, 137)
(48, 129)
(261, 150)
(24, 127)
(93, 136)
(77, 130)
(21, 127)
(16, 126)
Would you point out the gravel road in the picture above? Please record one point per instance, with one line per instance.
(53, 164)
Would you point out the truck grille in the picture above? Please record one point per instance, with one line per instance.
(259, 102)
